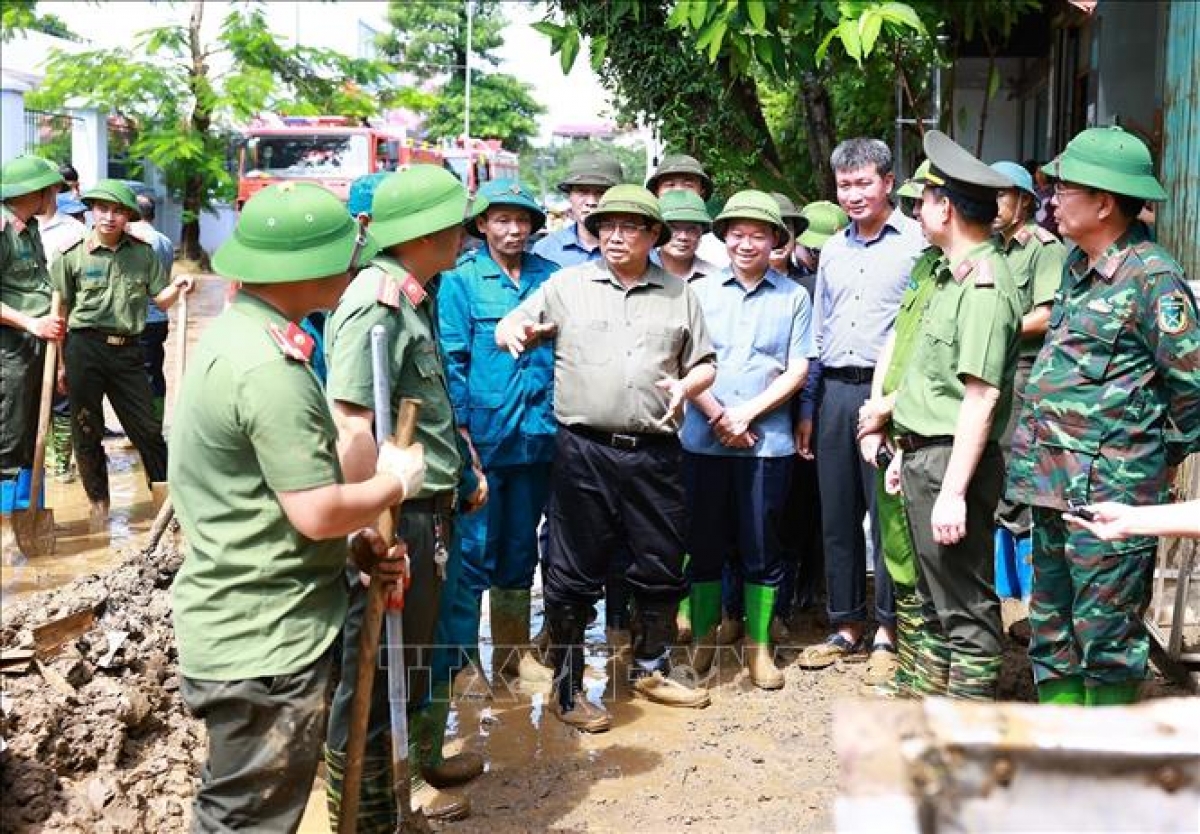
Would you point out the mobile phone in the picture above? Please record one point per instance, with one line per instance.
(1080, 511)
(883, 458)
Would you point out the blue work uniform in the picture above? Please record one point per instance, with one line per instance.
(565, 248)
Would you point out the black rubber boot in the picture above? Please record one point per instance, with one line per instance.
(651, 670)
(567, 624)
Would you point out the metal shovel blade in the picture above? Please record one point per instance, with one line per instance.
(34, 529)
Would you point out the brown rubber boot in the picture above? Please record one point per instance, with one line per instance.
(761, 663)
(729, 631)
(704, 653)
(454, 770)
(670, 693)
(582, 714)
(441, 805)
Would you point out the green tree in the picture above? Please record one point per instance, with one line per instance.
(546, 167)
(428, 41)
(182, 104)
(22, 15)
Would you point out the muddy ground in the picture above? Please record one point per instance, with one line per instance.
(97, 738)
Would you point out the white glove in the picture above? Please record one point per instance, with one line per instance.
(405, 465)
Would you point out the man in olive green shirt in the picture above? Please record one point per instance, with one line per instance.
(416, 217)
(29, 186)
(631, 346)
(259, 494)
(951, 409)
(106, 281)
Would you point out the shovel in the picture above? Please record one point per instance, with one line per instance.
(411, 822)
(34, 526)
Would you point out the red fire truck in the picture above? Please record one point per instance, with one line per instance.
(327, 150)
(476, 161)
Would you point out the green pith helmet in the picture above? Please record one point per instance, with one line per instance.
(752, 205)
(293, 231)
(825, 219)
(113, 191)
(680, 206)
(1110, 159)
(914, 185)
(628, 199)
(592, 169)
(420, 200)
(507, 193)
(681, 164)
(26, 174)
(792, 218)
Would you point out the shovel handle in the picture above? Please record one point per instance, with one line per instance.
(49, 371)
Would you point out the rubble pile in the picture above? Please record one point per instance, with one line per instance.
(95, 735)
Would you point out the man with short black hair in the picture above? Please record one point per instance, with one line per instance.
(588, 178)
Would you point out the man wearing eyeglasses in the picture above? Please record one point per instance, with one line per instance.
(1113, 403)
(630, 346)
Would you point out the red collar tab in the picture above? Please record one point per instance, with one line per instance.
(390, 288)
(293, 342)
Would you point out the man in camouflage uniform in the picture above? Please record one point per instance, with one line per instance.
(1114, 402)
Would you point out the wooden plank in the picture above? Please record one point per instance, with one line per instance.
(49, 637)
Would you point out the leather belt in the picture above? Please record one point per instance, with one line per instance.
(111, 339)
(441, 503)
(855, 376)
(625, 441)
(913, 442)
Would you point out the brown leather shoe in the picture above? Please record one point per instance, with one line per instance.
(670, 693)
(442, 806)
(454, 770)
(761, 662)
(583, 715)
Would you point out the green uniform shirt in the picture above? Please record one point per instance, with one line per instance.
(385, 294)
(970, 329)
(108, 289)
(1035, 259)
(24, 278)
(921, 285)
(254, 597)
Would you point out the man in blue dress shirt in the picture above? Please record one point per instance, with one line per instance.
(589, 176)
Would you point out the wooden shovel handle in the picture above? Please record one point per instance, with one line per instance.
(49, 371)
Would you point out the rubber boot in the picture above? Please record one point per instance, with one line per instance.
(683, 620)
(705, 599)
(511, 655)
(569, 704)
(98, 516)
(377, 799)
(1062, 691)
(760, 603)
(932, 673)
(908, 635)
(974, 678)
(650, 672)
(471, 682)
(159, 493)
(1112, 694)
(729, 631)
(58, 449)
(427, 734)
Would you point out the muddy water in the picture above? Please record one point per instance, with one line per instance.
(78, 550)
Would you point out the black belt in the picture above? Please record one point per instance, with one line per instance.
(112, 339)
(913, 442)
(857, 376)
(441, 503)
(626, 441)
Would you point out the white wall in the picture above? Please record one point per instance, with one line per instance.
(1002, 133)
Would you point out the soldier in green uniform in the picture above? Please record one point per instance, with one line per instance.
(1035, 257)
(1113, 402)
(106, 280)
(951, 409)
(260, 496)
(417, 218)
(29, 185)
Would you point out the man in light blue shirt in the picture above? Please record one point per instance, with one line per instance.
(589, 176)
(154, 336)
(863, 272)
(738, 436)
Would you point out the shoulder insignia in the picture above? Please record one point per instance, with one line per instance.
(412, 290)
(1023, 235)
(1044, 235)
(1173, 316)
(293, 342)
(964, 269)
(983, 275)
(388, 291)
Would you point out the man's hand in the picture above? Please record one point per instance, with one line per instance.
(676, 393)
(804, 430)
(376, 561)
(869, 446)
(479, 497)
(516, 338)
(48, 328)
(405, 465)
(891, 478)
(60, 382)
(185, 283)
(1110, 520)
(949, 518)
(873, 417)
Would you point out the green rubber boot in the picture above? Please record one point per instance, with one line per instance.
(427, 735)
(511, 649)
(58, 449)
(377, 801)
(1112, 694)
(760, 605)
(683, 619)
(1062, 691)
(705, 599)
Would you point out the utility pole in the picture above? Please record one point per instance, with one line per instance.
(467, 94)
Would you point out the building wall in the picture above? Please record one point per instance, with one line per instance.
(1126, 59)
(1002, 137)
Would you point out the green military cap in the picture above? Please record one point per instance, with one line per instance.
(680, 206)
(792, 218)
(594, 169)
(417, 201)
(914, 185)
(751, 205)
(825, 219)
(1110, 159)
(681, 164)
(113, 191)
(507, 192)
(955, 169)
(628, 199)
(293, 231)
(26, 174)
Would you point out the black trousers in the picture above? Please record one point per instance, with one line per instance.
(96, 369)
(154, 340)
(21, 360)
(607, 501)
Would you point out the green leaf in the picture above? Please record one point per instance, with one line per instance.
(599, 47)
(868, 28)
(848, 32)
(901, 14)
(679, 17)
(697, 12)
(757, 12)
(823, 47)
(993, 82)
(714, 45)
(570, 50)
(551, 30)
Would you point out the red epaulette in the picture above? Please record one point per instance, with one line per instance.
(391, 288)
(293, 342)
(961, 271)
(1044, 235)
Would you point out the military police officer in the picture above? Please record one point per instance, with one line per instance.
(260, 496)
(1113, 402)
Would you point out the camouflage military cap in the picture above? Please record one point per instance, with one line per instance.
(681, 164)
(954, 168)
(507, 192)
(592, 169)
(26, 174)
(1110, 159)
